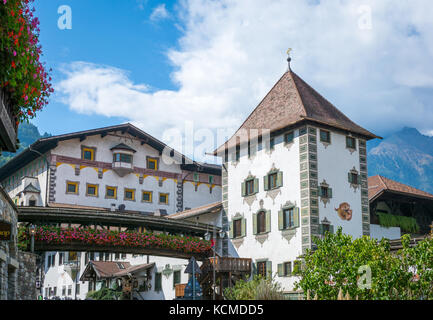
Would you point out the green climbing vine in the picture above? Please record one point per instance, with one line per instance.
(407, 224)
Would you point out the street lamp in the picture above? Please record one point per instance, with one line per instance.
(32, 237)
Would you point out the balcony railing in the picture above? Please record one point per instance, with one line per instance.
(229, 264)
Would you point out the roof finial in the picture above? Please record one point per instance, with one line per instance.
(288, 57)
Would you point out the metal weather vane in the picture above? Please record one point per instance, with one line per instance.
(288, 56)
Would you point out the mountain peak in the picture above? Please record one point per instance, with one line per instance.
(411, 131)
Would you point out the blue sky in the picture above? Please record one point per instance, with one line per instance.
(113, 33)
(168, 65)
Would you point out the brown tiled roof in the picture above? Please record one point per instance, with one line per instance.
(111, 269)
(208, 208)
(378, 184)
(136, 268)
(292, 100)
(108, 269)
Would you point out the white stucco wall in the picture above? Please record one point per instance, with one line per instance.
(378, 232)
(276, 248)
(334, 163)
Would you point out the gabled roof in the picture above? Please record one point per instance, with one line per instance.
(43, 145)
(31, 188)
(122, 146)
(112, 269)
(105, 269)
(377, 185)
(291, 101)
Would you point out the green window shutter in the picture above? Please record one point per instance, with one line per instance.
(266, 182)
(329, 192)
(268, 221)
(243, 227)
(254, 223)
(280, 179)
(280, 268)
(319, 191)
(280, 220)
(296, 217)
(231, 230)
(321, 229)
(244, 190)
(256, 185)
(349, 177)
(269, 269)
(331, 229)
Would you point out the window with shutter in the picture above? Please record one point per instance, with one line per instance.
(269, 269)
(268, 221)
(261, 222)
(237, 228)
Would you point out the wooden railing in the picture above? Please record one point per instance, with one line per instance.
(229, 264)
(180, 290)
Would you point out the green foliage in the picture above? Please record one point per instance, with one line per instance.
(258, 288)
(105, 294)
(407, 224)
(337, 260)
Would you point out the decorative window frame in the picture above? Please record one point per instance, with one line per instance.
(238, 241)
(167, 197)
(256, 186)
(325, 143)
(352, 150)
(96, 186)
(152, 159)
(272, 193)
(296, 216)
(324, 199)
(77, 185)
(115, 192)
(354, 185)
(281, 270)
(262, 236)
(238, 217)
(322, 230)
(125, 190)
(151, 196)
(87, 148)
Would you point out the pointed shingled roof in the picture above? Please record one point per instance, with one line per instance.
(292, 100)
(379, 184)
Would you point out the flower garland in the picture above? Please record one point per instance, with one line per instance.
(23, 77)
(49, 234)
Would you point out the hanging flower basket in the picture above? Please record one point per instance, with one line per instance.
(87, 236)
(23, 78)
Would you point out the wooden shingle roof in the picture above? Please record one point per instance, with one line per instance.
(292, 100)
(377, 185)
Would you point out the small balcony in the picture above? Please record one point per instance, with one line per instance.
(8, 126)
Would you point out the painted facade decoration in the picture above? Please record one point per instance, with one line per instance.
(344, 211)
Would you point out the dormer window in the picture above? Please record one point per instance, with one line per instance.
(122, 159)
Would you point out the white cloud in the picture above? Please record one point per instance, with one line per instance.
(159, 13)
(232, 52)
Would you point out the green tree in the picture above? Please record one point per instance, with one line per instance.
(341, 262)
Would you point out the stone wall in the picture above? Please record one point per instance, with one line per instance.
(26, 276)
